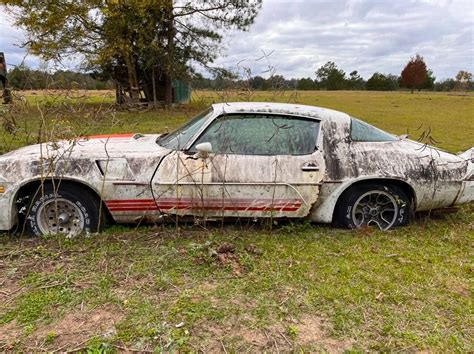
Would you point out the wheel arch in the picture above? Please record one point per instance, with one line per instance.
(32, 187)
(330, 197)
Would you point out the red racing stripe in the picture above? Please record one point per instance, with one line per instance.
(109, 136)
(207, 204)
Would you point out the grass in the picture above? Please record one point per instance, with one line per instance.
(449, 116)
(246, 287)
(297, 287)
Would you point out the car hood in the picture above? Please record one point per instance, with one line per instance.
(97, 146)
(38, 159)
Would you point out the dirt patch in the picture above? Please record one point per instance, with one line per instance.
(458, 288)
(216, 336)
(225, 255)
(8, 287)
(9, 333)
(76, 328)
(254, 336)
(313, 330)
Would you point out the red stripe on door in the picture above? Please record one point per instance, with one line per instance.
(207, 204)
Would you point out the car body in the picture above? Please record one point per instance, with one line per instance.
(244, 159)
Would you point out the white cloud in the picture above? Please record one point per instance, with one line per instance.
(363, 35)
(367, 36)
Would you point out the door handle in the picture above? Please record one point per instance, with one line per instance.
(310, 166)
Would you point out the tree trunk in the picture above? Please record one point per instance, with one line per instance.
(168, 91)
(132, 79)
(170, 54)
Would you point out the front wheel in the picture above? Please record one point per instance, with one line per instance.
(381, 206)
(68, 210)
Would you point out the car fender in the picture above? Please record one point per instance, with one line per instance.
(8, 207)
(323, 210)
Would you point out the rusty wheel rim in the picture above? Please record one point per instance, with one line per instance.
(375, 208)
(60, 216)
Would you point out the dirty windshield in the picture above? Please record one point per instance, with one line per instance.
(180, 137)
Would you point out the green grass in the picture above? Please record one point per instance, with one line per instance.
(449, 116)
(409, 288)
(296, 287)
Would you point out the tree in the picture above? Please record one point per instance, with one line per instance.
(331, 77)
(305, 84)
(21, 77)
(355, 82)
(429, 81)
(257, 82)
(445, 85)
(414, 74)
(381, 82)
(137, 43)
(463, 80)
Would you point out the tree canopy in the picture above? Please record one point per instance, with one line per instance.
(331, 77)
(463, 80)
(137, 43)
(414, 74)
(381, 82)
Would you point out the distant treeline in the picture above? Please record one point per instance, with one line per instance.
(328, 77)
(21, 77)
(378, 82)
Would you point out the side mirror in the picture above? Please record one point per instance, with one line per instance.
(204, 149)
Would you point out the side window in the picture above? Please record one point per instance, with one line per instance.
(261, 135)
(361, 131)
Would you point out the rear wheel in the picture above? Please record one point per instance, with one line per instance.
(68, 210)
(377, 205)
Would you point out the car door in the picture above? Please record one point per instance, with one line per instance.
(261, 165)
(181, 184)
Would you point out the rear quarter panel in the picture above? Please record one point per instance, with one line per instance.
(435, 176)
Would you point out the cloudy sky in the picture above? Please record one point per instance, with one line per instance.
(363, 35)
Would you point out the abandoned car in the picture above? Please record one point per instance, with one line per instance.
(248, 160)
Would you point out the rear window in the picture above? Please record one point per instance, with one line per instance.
(362, 131)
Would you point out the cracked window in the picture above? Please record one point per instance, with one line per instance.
(261, 135)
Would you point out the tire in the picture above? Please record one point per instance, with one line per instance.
(382, 206)
(70, 210)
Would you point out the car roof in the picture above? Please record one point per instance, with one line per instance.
(281, 108)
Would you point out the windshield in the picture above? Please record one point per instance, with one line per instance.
(180, 137)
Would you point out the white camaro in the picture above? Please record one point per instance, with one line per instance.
(234, 160)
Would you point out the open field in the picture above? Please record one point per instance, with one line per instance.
(243, 287)
(449, 116)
